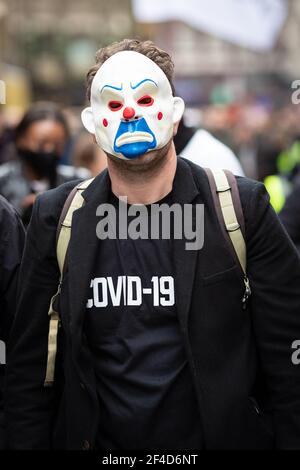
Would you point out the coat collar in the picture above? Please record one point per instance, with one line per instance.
(184, 187)
(99, 189)
(185, 191)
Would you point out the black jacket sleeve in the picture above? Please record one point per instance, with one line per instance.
(12, 238)
(30, 406)
(274, 272)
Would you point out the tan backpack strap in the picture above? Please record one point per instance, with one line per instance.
(227, 194)
(64, 229)
(73, 202)
(236, 200)
(52, 341)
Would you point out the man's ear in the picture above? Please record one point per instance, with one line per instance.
(87, 119)
(178, 109)
(175, 128)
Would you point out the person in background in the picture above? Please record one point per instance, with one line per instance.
(40, 140)
(281, 183)
(12, 237)
(87, 154)
(6, 136)
(212, 154)
(290, 214)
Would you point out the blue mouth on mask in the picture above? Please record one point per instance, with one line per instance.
(134, 149)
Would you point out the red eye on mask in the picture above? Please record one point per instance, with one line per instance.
(146, 101)
(115, 105)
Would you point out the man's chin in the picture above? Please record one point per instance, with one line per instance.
(143, 163)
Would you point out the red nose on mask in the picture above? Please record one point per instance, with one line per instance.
(128, 113)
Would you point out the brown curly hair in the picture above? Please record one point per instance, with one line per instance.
(147, 48)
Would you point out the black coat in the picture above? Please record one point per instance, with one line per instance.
(12, 237)
(247, 387)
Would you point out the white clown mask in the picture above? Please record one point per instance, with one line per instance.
(132, 108)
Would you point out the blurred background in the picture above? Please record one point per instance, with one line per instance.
(235, 64)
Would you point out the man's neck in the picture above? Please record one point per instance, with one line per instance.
(144, 187)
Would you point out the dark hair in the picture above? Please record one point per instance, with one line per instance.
(41, 112)
(147, 48)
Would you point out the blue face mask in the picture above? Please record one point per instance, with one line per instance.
(135, 149)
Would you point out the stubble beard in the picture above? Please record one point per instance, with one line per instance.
(144, 167)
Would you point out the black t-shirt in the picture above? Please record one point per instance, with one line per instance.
(145, 389)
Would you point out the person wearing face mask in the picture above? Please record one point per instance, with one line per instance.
(160, 344)
(40, 139)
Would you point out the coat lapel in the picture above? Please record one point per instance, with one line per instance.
(184, 192)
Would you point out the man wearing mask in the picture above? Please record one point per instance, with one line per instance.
(186, 361)
(40, 140)
(12, 237)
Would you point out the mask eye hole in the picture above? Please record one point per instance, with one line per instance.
(115, 105)
(146, 101)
